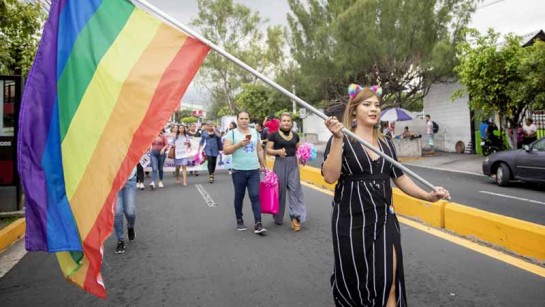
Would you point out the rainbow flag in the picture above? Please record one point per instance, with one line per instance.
(106, 78)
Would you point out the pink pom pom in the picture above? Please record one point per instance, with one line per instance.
(270, 179)
(304, 152)
(197, 159)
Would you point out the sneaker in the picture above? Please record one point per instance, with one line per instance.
(130, 231)
(259, 228)
(160, 184)
(240, 225)
(120, 248)
(141, 186)
(152, 185)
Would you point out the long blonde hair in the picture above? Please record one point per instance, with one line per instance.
(350, 110)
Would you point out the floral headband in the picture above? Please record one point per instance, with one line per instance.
(354, 89)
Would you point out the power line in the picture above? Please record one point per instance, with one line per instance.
(489, 4)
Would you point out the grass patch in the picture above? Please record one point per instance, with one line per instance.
(5, 221)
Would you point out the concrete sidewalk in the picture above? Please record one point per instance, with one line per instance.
(455, 162)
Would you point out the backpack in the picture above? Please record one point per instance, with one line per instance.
(435, 127)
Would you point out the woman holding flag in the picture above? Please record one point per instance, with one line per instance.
(366, 238)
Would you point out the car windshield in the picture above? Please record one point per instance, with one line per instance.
(539, 145)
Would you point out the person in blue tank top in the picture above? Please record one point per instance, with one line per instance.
(244, 144)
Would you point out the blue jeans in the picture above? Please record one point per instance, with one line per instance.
(241, 181)
(126, 203)
(157, 162)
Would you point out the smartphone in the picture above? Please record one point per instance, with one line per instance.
(248, 137)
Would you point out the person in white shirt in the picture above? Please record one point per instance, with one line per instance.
(529, 130)
(429, 130)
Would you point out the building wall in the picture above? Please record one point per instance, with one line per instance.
(314, 129)
(453, 117)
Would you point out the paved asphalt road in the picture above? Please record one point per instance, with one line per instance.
(520, 200)
(188, 253)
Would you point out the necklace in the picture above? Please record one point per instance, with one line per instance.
(286, 137)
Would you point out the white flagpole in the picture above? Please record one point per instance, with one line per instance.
(243, 65)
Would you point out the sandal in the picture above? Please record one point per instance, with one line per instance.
(211, 179)
(295, 224)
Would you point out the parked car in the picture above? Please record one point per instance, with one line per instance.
(527, 164)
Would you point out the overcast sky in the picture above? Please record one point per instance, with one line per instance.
(504, 16)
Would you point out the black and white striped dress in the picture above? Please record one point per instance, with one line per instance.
(365, 229)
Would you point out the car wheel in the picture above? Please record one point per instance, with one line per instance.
(503, 174)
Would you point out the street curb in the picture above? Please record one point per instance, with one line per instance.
(432, 214)
(11, 233)
(521, 237)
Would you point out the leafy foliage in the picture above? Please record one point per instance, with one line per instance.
(504, 78)
(189, 120)
(402, 45)
(532, 68)
(20, 23)
(236, 29)
(260, 100)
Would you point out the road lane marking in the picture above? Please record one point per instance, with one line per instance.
(11, 256)
(487, 251)
(207, 198)
(513, 197)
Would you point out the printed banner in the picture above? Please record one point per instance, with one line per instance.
(223, 161)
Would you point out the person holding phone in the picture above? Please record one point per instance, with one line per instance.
(247, 159)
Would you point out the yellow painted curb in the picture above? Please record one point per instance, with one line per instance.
(521, 237)
(309, 174)
(430, 213)
(11, 233)
(314, 176)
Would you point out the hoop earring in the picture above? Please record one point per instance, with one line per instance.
(354, 123)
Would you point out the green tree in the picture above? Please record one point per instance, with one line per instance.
(181, 114)
(402, 45)
(238, 30)
(20, 24)
(493, 74)
(532, 68)
(260, 100)
(255, 98)
(189, 120)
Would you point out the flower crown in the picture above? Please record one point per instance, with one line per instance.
(354, 89)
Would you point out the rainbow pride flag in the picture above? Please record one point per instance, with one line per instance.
(106, 78)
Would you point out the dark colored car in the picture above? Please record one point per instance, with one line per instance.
(527, 164)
